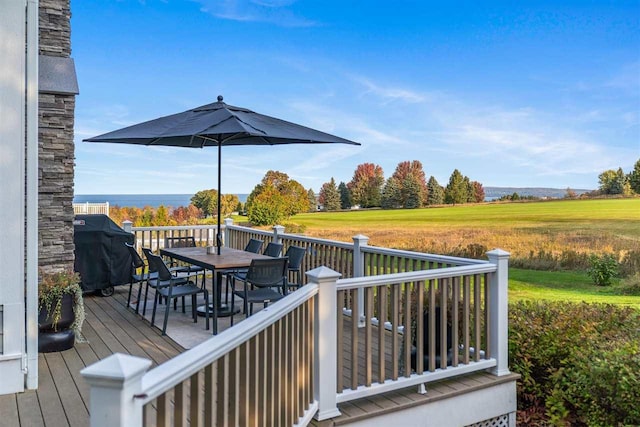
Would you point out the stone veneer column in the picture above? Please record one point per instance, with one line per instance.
(55, 136)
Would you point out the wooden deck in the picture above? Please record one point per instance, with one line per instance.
(62, 398)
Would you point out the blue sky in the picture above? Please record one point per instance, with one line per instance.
(527, 94)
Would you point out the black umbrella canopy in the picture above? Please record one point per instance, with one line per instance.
(218, 124)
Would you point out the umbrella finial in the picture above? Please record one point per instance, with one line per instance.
(220, 98)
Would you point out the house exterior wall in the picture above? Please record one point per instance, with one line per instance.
(56, 146)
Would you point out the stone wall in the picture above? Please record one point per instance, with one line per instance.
(56, 147)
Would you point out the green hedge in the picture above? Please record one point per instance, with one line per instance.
(580, 363)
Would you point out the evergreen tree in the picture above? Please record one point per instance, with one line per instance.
(435, 195)
(456, 191)
(634, 178)
(345, 196)
(470, 190)
(313, 203)
(330, 196)
(412, 192)
(391, 194)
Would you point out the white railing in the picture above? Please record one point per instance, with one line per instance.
(355, 259)
(422, 326)
(154, 237)
(281, 366)
(260, 372)
(91, 208)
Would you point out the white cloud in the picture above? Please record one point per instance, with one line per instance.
(389, 93)
(273, 12)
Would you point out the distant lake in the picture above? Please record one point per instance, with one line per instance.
(141, 200)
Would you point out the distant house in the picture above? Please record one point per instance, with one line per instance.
(37, 102)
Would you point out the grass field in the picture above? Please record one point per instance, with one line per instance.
(584, 226)
(563, 286)
(589, 226)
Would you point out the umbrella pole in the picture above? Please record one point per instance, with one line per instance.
(219, 234)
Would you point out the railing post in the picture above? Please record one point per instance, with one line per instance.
(358, 271)
(114, 382)
(278, 230)
(498, 311)
(227, 238)
(127, 226)
(325, 342)
(107, 208)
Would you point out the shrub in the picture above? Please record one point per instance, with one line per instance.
(578, 363)
(602, 269)
(293, 228)
(600, 387)
(629, 286)
(630, 263)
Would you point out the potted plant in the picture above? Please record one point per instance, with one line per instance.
(61, 310)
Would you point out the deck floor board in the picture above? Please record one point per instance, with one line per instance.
(9, 411)
(63, 396)
(50, 404)
(29, 409)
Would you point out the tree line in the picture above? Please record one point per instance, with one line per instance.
(406, 188)
(278, 197)
(616, 182)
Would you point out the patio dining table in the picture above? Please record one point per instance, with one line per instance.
(228, 259)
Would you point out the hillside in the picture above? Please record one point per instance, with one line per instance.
(556, 193)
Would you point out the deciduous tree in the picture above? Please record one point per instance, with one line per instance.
(478, 192)
(612, 182)
(206, 201)
(276, 198)
(366, 185)
(412, 183)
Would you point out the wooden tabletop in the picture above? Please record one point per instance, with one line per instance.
(228, 258)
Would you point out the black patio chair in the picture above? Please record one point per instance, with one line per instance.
(273, 250)
(184, 242)
(137, 263)
(253, 246)
(262, 277)
(152, 273)
(171, 287)
(296, 255)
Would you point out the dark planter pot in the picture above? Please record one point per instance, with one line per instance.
(50, 340)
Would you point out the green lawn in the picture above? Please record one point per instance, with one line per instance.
(587, 226)
(562, 286)
(584, 226)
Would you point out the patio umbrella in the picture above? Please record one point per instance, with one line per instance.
(218, 125)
